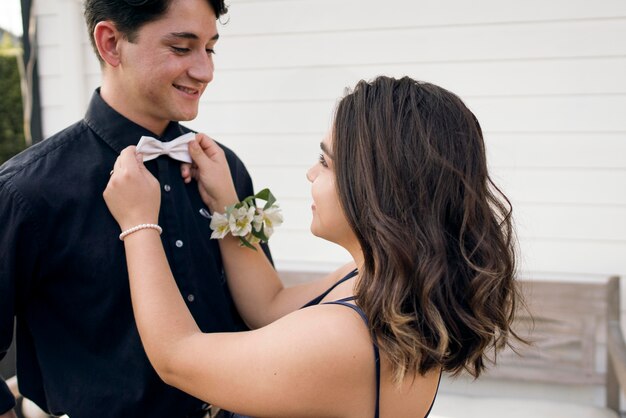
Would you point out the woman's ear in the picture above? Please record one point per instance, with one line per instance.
(107, 39)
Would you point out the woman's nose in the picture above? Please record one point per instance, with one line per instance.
(310, 175)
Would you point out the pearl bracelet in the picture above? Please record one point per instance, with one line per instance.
(129, 231)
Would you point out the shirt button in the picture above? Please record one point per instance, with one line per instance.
(179, 243)
(167, 188)
(191, 297)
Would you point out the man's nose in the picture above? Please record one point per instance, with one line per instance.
(202, 68)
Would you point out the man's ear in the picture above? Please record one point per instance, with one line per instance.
(108, 39)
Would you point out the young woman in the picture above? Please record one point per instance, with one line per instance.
(402, 184)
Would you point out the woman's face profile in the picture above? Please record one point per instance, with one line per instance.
(329, 221)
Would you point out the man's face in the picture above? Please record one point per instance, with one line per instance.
(163, 73)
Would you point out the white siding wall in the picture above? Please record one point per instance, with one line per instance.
(545, 78)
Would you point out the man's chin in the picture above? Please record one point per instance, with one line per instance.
(184, 117)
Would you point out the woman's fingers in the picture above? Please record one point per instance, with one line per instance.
(132, 194)
(210, 147)
(210, 169)
(205, 141)
(198, 155)
(117, 166)
(127, 159)
(185, 172)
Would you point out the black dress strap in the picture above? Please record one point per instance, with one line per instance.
(434, 397)
(318, 299)
(344, 302)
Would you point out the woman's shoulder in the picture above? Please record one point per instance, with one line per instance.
(321, 356)
(333, 339)
(324, 328)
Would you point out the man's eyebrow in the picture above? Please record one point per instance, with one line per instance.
(326, 150)
(189, 35)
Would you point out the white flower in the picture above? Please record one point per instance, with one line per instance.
(219, 225)
(240, 221)
(257, 222)
(272, 218)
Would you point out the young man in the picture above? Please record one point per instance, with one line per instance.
(62, 270)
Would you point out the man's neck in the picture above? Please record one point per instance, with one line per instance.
(113, 98)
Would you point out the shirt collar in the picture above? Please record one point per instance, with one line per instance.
(119, 132)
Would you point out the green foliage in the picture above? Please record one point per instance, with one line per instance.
(6, 42)
(11, 114)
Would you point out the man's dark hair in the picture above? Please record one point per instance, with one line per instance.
(130, 15)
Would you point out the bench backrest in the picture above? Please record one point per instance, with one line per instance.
(567, 326)
(573, 326)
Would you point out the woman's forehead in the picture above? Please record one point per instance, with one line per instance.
(327, 140)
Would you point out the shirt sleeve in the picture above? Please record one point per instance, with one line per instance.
(17, 244)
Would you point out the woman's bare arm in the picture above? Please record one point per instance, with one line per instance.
(307, 363)
(257, 290)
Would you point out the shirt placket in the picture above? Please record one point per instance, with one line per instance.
(174, 234)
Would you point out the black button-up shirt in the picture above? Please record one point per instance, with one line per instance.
(63, 272)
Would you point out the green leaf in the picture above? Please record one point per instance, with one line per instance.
(244, 242)
(260, 234)
(263, 194)
(266, 195)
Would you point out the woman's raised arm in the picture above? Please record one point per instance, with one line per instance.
(256, 288)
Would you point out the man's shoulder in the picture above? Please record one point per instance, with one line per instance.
(230, 154)
(36, 159)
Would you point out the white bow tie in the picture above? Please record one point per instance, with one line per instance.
(152, 148)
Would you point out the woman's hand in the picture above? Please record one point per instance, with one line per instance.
(132, 195)
(210, 169)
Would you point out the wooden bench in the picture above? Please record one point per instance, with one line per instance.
(575, 368)
(578, 350)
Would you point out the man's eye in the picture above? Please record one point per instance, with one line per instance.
(180, 50)
(210, 51)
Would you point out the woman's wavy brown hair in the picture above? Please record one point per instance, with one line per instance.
(437, 282)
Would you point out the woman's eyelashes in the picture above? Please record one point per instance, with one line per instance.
(322, 160)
